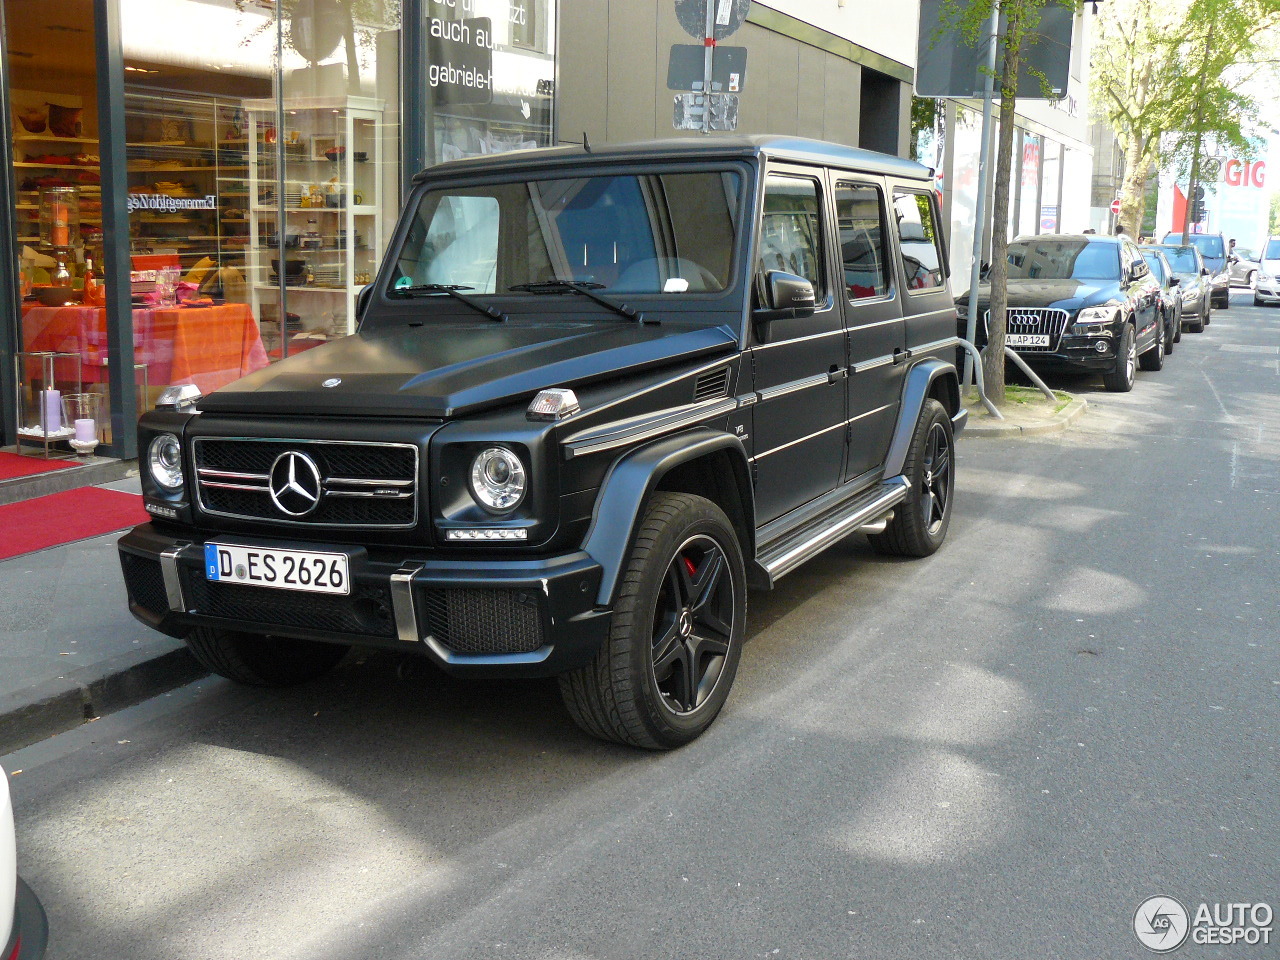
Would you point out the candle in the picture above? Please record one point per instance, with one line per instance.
(52, 411)
(86, 430)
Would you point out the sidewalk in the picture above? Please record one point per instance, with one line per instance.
(71, 650)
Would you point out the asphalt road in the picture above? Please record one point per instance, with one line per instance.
(997, 752)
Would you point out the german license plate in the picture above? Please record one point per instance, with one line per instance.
(1027, 339)
(304, 570)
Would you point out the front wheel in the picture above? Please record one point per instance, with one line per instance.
(920, 523)
(1252, 278)
(1120, 379)
(1153, 359)
(676, 637)
(263, 661)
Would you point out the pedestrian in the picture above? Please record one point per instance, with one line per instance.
(1090, 230)
(1121, 231)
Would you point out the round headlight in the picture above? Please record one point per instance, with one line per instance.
(164, 457)
(498, 479)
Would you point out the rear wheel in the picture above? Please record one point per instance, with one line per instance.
(665, 671)
(263, 661)
(920, 523)
(1153, 359)
(1120, 379)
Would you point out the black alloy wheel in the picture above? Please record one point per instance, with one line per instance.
(920, 522)
(676, 635)
(1153, 359)
(693, 624)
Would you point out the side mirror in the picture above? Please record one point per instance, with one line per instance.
(1175, 281)
(363, 296)
(784, 296)
(1204, 272)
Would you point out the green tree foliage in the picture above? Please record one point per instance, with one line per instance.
(1162, 77)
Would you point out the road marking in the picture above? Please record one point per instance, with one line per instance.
(1246, 348)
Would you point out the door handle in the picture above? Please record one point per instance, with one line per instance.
(900, 355)
(837, 373)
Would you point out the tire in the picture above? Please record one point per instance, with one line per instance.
(1177, 326)
(682, 600)
(1120, 380)
(1153, 359)
(1251, 279)
(1170, 336)
(1256, 301)
(263, 661)
(920, 522)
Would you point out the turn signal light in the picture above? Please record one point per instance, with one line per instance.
(554, 404)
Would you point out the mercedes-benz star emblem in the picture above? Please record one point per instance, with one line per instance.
(332, 382)
(295, 483)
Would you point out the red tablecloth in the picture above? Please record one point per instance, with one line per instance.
(207, 346)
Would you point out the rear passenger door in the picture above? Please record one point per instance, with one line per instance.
(929, 313)
(873, 320)
(799, 418)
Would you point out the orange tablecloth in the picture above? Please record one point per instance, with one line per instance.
(207, 346)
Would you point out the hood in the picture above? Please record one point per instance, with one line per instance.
(445, 371)
(1063, 294)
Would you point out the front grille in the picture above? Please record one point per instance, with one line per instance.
(145, 582)
(479, 621)
(1035, 320)
(361, 484)
(365, 612)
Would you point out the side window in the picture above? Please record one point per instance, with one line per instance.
(791, 231)
(859, 213)
(918, 235)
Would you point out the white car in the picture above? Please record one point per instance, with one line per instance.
(1266, 288)
(23, 926)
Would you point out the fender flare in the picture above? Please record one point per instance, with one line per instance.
(920, 379)
(628, 485)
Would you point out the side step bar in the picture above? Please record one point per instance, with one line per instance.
(780, 558)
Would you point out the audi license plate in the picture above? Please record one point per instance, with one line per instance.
(1027, 339)
(282, 569)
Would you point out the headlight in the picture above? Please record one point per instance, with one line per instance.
(164, 459)
(498, 480)
(1093, 321)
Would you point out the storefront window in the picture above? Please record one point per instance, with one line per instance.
(1051, 188)
(490, 75)
(1029, 186)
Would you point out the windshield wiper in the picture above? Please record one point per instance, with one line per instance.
(452, 290)
(586, 288)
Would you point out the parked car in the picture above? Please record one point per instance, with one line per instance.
(1081, 302)
(24, 929)
(1188, 266)
(592, 397)
(1242, 266)
(1213, 248)
(1170, 296)
(1266, 289)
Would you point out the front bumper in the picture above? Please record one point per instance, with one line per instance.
(1079, 353)
(474, 616)
(30, 933)
(1267, 290)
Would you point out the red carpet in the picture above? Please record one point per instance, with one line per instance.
(12, 465)
(63, 517)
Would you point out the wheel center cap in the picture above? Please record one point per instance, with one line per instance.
(686, 623)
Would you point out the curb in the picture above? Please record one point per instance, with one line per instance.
(1055, 424)
(56, 706)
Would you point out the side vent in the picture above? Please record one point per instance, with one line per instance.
(711, 386)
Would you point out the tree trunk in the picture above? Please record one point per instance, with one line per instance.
(1133, 188)
(993, 355)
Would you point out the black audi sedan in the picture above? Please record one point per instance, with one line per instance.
(1080, 303)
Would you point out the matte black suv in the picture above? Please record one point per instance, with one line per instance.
(1081, 303)
(593, 397)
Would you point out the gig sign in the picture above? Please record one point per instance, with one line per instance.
(1237, 173)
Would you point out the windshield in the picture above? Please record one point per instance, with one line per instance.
(1182, 259)
(661, 233)
(1209, 245)
(1273, 250)
(1063, 260)
(1156, 265)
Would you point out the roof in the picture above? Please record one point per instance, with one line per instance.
(1090, 237)
(689, 148)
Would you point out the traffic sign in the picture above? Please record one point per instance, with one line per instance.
(687, 68)
(729, 16)
(1116, 205)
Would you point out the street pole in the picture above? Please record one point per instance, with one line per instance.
(709, 46)
(1195, 157)
(984, 185)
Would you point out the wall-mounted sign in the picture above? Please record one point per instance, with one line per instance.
(166, 204)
